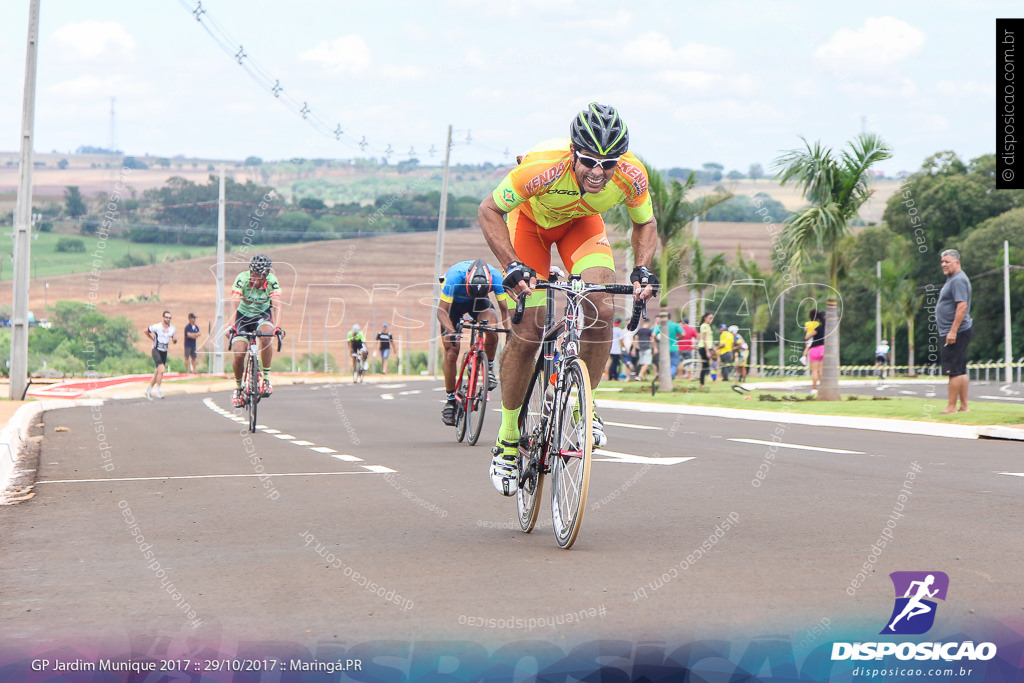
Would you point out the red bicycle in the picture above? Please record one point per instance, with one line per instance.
(471, 389)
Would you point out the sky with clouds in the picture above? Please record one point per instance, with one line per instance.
(734, 82)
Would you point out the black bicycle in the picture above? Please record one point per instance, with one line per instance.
(556, 418)
(252, 379)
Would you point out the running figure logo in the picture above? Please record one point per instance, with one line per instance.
(914, 612)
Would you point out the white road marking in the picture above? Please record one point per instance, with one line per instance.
(391, 386)
(1002, 398)
(410, 392)
(1012, 474)
(630, 426)
(388, 397)
(209, 403)
(217, 476)
(602, 455)
(795, 446)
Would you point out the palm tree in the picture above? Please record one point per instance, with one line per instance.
(906, 303)
(835, 190)
(705, 273)
(674, 215)
(747, 269)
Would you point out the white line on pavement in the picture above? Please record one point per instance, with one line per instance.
(795, 446)
(213, 476)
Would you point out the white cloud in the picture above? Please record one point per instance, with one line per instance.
(704, 82)
(880, 43)
(902, 88)
(947, 88)
(407, 72)
(92, 39)
(804, 88)
(347, 54)
(656, 50)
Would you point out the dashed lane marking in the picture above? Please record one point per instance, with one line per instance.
(376, 469)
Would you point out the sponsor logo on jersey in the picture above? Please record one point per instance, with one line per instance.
(545, 177)
(635, 175)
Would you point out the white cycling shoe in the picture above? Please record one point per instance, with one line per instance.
(504, 469)
(600, 439)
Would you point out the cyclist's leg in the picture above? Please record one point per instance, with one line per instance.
(533, 246)
(585, 250)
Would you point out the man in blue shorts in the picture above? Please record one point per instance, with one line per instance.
(465, 291)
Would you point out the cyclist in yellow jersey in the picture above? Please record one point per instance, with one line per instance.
(555, 197)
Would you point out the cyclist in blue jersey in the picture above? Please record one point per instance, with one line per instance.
(464, 291)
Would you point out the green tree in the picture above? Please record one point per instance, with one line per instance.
(755, 172)
(74, 205)
(835, 189)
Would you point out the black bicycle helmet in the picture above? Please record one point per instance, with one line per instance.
(478, 279)
(598, 129)
(260, 264)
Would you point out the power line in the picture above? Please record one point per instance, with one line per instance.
(302, 107)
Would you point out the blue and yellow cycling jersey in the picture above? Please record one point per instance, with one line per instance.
(454, 286)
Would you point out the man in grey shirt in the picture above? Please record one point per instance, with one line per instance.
(953, 318)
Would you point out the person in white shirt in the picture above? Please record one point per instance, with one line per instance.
(162, 334)
(615, 355)
(882, 357)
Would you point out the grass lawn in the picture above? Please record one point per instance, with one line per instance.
(901, 408)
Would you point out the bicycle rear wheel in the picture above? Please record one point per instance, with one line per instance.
(531, 454)
(461, 418)
(253, 387)
(476, 403)
(570, 452)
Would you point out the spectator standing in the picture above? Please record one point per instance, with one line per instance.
(725, 344)
(687, 342)
(384, 337)
(162, 334)
(615, 355)
(675, 332)
(706, 345)
(741, 352)
(814, 349)
(953, 317)
(642, 343)
(881, 358)
(191, 337)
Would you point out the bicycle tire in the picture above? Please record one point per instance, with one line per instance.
(254, 393)
(476, 403)
(461, 390)
(531, 484)
(570, 453)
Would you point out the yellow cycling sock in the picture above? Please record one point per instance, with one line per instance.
(509, 430)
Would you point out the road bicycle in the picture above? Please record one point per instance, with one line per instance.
(252, 378)
(359, 365)
(556, 418)
(472, 387)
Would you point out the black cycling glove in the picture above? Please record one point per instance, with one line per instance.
(516, 272)
(645, 277)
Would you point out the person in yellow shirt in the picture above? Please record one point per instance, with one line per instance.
(725, 343)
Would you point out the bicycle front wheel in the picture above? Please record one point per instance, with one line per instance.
(531, 453)
(254, 393)
(570, 451)
(476, 403)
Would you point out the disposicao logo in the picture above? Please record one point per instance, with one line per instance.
(913, 614)
(916, 592)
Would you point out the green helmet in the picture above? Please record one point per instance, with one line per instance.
(599, 129)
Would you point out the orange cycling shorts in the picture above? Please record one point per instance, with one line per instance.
(582, 243)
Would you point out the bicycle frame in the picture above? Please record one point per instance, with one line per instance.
(469, 402)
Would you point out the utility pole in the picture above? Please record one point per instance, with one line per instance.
(439, 257)
(23, 217)
(1007, 339)
(218, 324)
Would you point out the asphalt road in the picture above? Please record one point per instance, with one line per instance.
(155, 525)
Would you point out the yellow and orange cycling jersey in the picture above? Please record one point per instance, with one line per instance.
(544, 187)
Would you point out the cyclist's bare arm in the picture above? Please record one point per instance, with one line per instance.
(492, 223)
(644, 239)
(503, 311)
(443, 318)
